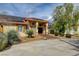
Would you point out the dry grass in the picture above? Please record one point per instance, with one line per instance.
(26, 39)
(39, 37)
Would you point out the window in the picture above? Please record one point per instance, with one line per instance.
(20, 28)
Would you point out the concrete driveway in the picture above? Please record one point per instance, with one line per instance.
(41, 48)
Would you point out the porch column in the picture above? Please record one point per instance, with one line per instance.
(28, 24)
(36, 28)
(46, 28)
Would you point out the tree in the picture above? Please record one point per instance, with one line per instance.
(63, 17)
(59, 11)
(76, 19)
(59, 20)
(68, 16)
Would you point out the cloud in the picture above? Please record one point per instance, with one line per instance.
(6, 12)
(38, 10)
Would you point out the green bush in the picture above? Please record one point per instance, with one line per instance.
(56, 34)
(51, 31)
(68, 35)
(61, 34)
(30, 33)
(3, 41)
(13, 37)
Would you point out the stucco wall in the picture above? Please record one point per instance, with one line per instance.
(24, 29)
(7, 28)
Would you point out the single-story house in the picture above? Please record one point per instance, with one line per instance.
(22, 24)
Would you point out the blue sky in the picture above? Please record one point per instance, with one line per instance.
(39, 10)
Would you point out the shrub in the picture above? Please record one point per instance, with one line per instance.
(3, 41)
(30, 33)
(51, 31)
(13, 37)
(56, 34)
(61, 34)
(68, 35)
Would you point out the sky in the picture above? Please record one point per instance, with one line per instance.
(36, 10)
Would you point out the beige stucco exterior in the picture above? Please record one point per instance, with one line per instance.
(8, 23)
(7, 28)
(44, 26)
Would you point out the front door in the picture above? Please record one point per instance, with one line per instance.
(40, 30)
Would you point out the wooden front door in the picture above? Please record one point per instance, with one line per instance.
(1, 28)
